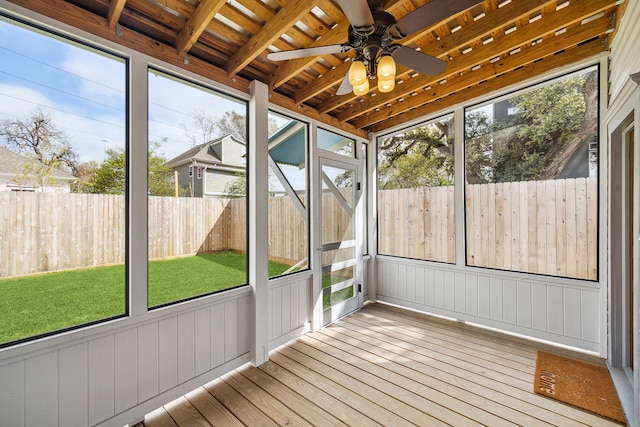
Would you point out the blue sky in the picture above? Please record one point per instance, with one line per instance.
(83, 90)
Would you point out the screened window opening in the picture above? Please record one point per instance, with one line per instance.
(197, 222)
(531, 180)
(62, 184)
(415, 192)
(288, 201)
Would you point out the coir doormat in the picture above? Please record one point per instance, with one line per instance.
(577, 383)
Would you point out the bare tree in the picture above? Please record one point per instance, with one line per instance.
(36, 136)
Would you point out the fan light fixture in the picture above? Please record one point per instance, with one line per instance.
(386, 75)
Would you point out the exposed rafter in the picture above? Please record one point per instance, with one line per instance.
(282, 21)
(485, 46)
(115, 10)
(198, 22)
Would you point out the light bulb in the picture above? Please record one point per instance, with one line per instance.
(357, 73)
(386, 68)
(361, 89)
(386, 85)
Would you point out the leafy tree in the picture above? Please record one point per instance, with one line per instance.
(36, 137)
(419, 157)
(237, 187)
(550, 124)
(109, 177)
(85, 172)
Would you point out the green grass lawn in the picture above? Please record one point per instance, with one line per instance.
(43, 303)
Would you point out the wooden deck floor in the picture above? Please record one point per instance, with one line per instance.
(382, 366)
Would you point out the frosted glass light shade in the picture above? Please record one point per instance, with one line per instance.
(357, 73)
(361, 89)
(386, 85)
(386, 68)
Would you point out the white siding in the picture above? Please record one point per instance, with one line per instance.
(566, 312)
(624, 50)
(119, 375)
(289, 307)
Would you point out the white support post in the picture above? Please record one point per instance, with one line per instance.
(257, 180)
(315, 247)
(459, 183)
(372, 213)
(138, 193)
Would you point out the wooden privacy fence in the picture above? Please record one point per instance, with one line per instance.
(547, 227)
(417, 223)
(43, 232)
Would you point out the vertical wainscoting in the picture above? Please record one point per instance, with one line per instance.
(116, 375)
(564, 313)
(289, 307)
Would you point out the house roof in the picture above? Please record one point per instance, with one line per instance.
(12, 163)
(202, 153)
(488, 46)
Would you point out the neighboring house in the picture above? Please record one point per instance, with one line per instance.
(19, 173)
(206, 169)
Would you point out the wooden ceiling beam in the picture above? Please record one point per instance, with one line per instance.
(535, 69)
(493, 70)
(573, 13)
(198, 22)
(115, 10)
(476, 30)
(284, 19)
(67, 13)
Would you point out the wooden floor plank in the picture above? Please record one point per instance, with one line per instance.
(211, 409)
(458, 383)
(316, 392)
(353, 399)
(471, 346)
(244, 410)
(492, 378)
(183, 413)
(262, 400)
(385, 366)
(159, 418)
(305, 408)
(423, 397)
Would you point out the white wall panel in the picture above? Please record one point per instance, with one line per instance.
(73, 383)
(41, 378)
(186, 347)
(12, 394)
(202, 332)
(126, 372)
(524, 305)
(484, 297)
(539, 307)
(112, 373)
(101, 379)
(289, 308)
(553, 309)
(167, 372)
(148, 357)
(509, 301)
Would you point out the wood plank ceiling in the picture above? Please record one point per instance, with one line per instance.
(489, 46)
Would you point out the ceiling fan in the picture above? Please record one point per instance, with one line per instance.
(373, 34)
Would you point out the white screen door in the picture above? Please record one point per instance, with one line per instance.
(341, 253)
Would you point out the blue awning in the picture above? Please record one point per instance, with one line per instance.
(288, 144)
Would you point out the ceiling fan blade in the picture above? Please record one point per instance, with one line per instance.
(425, 64)
(357, 12)
(431, 13)
(345, 86)
(311, 51)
